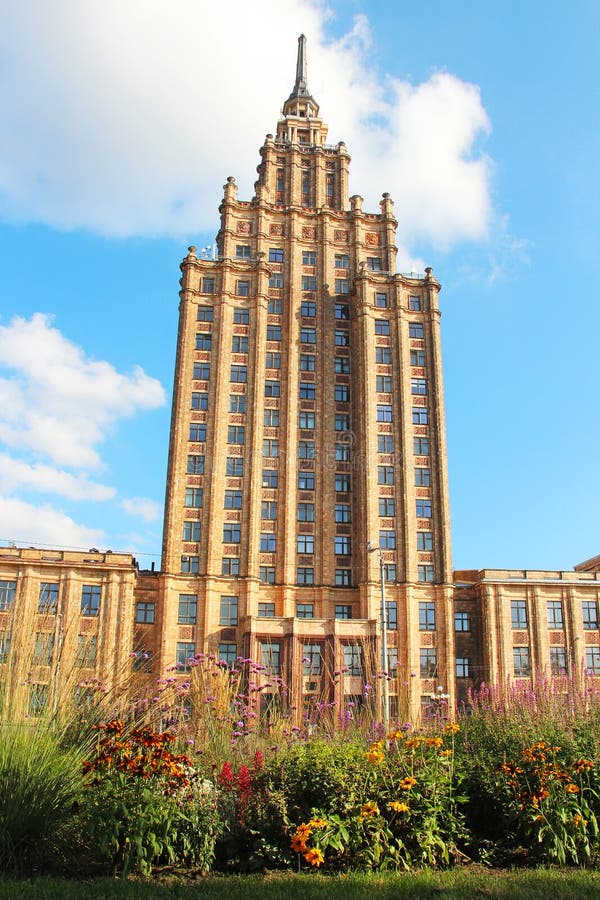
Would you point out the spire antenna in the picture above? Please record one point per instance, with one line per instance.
(300, 86)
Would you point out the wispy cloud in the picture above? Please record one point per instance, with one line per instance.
(142, 508)
(16, 474)
(43, 524)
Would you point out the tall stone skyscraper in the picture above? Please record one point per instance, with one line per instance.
(307, 430)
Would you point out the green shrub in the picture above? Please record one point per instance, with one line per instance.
(40, 786)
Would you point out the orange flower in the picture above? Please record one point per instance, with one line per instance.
(369, 809)
(582, 764)
(434, 742)
(407, 783)
(571, 789)
(298, 845)
(451, 728)
(445, 752)
(314, 857)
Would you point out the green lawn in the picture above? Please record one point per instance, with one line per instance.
(458, 883)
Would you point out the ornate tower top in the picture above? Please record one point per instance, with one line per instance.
(300, 102)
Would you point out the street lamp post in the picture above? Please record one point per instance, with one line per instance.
(385, 691)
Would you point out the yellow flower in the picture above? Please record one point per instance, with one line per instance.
(407, 783)
(318, 823)
(451, 728)
(434, 742)
(398, 807)
(314, 857)
(413, 742)
(375, 756)
(577, 820)
(445, 752)
(582, 764)
(571, 789)
(369, 809)
(395, 736)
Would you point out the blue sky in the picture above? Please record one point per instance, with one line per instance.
(481, 120)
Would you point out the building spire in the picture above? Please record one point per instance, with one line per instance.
(301, 102)
(301, 87)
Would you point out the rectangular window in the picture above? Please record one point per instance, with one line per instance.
(237, 403)
(305, 543)
(518, 613)
(306, 512)
(272, 388)
(243, 289)
(383, 355)
(197, 433)
(592, 660)
(424, 540)
(48, 599)
(270, 478)
(391, 608)
(342, 483)
(385, 474)
(387, 506)
(387, 539)
(421, 446)
(415, 330)
(417, 357)
(230, 565)
(43, 648)
(228, 610)
(309, 283)
(199, 400)
(203, 342)
(343, 611)
(341, 545)
(341, 261)
(418, 386)
(266, 610)
(306, 481)
(428, 662)
(342, 338)
(426, 616)
(268, 542)
(521, 662)
(205, 314)
(590, 615)
(305, 610)
(191, 531)
(274, 307)
(425, 573)
(342, 364)
(90, 599)
(201, 371)
(190, 565)
(342, 452)
(385, 443)
(184, 655)
(374, 263)
(308, 335)
(342, 512)
(233, 500)
(238, 374)
(271, 418)
(268, 510)
(419, 415)
(342, 286)
(384, 413)
(462, 621)
(462, 667)
(308, 308)
(273, 332)
(239, 344)
(342, 393)
(208, 286)
(306, 420)
(342, 422)
(311, 659)
(232, 533)
(236, 434)
(390, 572)
(193, 498)
(383, 384)
(423, 509)
(144, 613)
(276, 280)
(309, 258)
(414, 304)
(188, 606)
(382, 326)
(38, 699)
(241, 316)
(307, 362)
(381, 300)
(558, 662)
(341, 311)
(234, 466)
(195, 464)
(353, 659)
(422, 477)
(307, 390)
(273, 360)
(276, 254)
(305, 575)
(242, 251)
(555, 614)
(270, 654)
(270, 448)
(228, 654)
(266, 574)
(343, 577)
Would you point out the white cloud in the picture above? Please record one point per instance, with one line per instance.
(16, 474)
(58, 403)
(143, 508)
(114, 119)
(26, 523)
